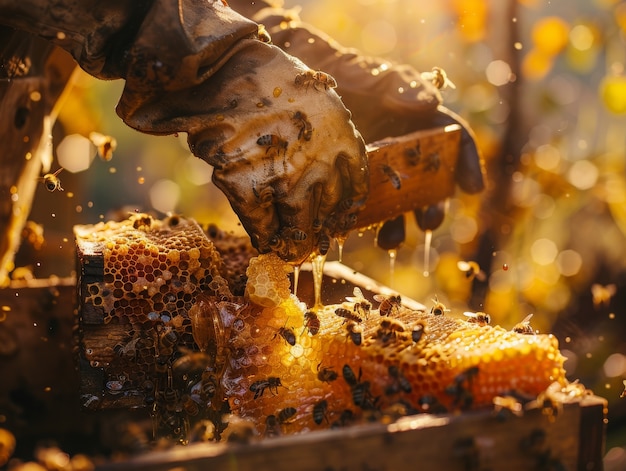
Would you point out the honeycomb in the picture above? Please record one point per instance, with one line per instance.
(203, 358)
(410, 360)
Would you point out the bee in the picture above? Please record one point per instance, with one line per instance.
(471, 269)
(438, 309)
(272, 141)
(418, 332)
(326, 374)
(438, 77)
(311, 322)
(413, 154)
(348, 315)
(320, 80)
(323, 244)
(388, 304)
(263, 35)
(208, 386)
(389, 329)
(433, 162)
(345, 418)
(479, 318)
(106, 145)
(305, 129)
(319, 411)
(287, 333)
(191, 363)
(399, 379)
(276, 243)
(507, 403)
(297, 235)
(51, 181)
(190, 406)
(524, 327)
(167, 342)
(361, 305)
(345, 205)
(601, 294)
(265, 197)
(349, 376)
(317, 225)
(272, 383)
(285, 416)
(355, 333)
(362, 396)
(393, 175)
(272, 427)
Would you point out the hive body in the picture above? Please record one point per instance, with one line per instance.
(160, 327)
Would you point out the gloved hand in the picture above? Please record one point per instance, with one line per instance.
(385, 99)
(283, 147)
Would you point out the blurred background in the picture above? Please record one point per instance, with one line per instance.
(541, 83)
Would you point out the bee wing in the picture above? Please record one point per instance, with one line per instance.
(379, 297)
(469, 314)
(358, 293)
(527, 319)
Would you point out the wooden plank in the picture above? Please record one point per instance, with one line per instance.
(423, 163)
(471, 441)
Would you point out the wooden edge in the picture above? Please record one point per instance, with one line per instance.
(474, 441)
(592, 433)
(410, 172)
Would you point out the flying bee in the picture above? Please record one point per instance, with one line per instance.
(418, 331)
(320, 80)
(393, 175)
(388, 304)
(348, 315)
(524, 327)
(286, 333)
(258, 387)
(479, 318)
(305, 129)
(51, 181)
(438, 77)
(355, 333)
(311, 322)
(106, 145)
(326, 374)
(319, 411)
(438, 309)
(471, 269)
(601, 294)
(285, 416)
(272, 141)
(361, 305)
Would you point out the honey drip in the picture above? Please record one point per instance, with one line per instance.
(296, 278)
(393, 253)
(428, 237)
(340, 242)
(317, 265)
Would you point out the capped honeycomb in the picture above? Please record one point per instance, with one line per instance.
(364, 364)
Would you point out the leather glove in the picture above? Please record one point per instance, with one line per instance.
(386, 99)
(282, 144)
